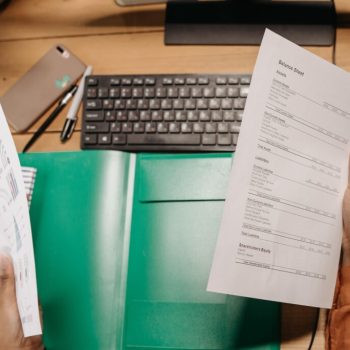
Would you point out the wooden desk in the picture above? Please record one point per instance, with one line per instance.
(130, 40)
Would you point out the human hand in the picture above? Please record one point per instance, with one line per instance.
(11, 333)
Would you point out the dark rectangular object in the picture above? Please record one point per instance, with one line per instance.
(244, 22)
(173, 112)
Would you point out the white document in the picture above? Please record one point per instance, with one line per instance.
(281, 231)
(15, 231)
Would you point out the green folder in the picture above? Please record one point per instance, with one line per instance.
(123, 246)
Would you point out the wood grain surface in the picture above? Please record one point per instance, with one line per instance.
(129, 40)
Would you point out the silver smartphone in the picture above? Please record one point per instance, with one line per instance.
(40, 87)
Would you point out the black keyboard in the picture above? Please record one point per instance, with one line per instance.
(163, 112)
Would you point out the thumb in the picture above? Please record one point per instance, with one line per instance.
(7, 276)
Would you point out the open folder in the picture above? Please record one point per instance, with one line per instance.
(124, 245)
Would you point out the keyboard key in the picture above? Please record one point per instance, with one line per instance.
(214, 104)
(192, 116)
(239, 103)
(122, 116)
(93, 104)
(202, 104)
(137, 93)
(196, 92)
(150, 81)
(125, 92)
(102, 93)
(160, 92)
(149, 92)
(110, 116)
(167, 104)
(190, 104)
(174, 128)
(178, 104)
(186, 128)
(198, 128)
(169, 139)
(245, 80)
(118, 139)
(229, 116)
(151, 127)
(210, 128)
(130, 104)
(224, 140)
(108, 104)
(169, 116)
(96, 127)
(233, 80)
(209, 139)
(203, 81)
(179, 81)
(208, 92)
(154, 104)
(184, 92)
(216, 116)
(126, 81)
(138, 81)
(233, 92)
(234, 128)
(114, 92)
(157, 116)
(173, 92)
(139, 127)
(180, 116)
(162, 128)
(244, 91)
(94, 116)
(91, 81)
(235, 138)
(145, 116)
(221, 80)
(238, 116)
(90, 139)
(114, 81)
(223, 128)
(127, 127)
(226, 103)
(167, 81)
(191, 81)
(116, 127)
(91, 93)
(119, 104)
(220, 92)
(133, 116)
(142, 104)
(204, 116)
(104, 139)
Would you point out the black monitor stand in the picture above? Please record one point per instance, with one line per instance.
(243, 22)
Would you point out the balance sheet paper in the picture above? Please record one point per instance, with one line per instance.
(15, 231)
(281, 230)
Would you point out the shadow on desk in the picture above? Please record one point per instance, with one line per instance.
(138, 18)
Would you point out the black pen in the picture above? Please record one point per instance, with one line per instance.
(52, 117)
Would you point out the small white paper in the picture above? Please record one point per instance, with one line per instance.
(15, 231)
(281, 230)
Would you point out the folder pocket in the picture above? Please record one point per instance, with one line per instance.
(183, 177)
(176, 218)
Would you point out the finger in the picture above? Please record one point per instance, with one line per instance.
(7, 275)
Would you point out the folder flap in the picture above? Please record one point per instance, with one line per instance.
(183, 177)
(80, 215)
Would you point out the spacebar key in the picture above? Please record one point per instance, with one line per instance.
(164, 140)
